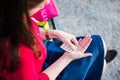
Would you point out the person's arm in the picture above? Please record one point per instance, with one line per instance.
(47, 34)
(67, 38)
(42, 34)
(27, 64)
(27, 69)
(54, 70)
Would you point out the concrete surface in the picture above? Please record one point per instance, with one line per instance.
(86, 17)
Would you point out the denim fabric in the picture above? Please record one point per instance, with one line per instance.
(89, 68)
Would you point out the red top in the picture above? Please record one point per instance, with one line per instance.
(29, 67)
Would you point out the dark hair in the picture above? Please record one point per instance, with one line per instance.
(33, 3)
(13, 31)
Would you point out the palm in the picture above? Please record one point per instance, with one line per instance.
(81, 48)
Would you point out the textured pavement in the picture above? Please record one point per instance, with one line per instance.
(87, 17)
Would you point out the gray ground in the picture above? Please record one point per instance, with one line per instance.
(83, 17)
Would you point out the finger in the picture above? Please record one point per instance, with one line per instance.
(86, 55)
(79, 46)
(86, 45)
(74, 41)
(83, 48)
(71, 45)
(79, 41)
(84, 41)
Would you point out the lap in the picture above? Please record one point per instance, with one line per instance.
(89, 68)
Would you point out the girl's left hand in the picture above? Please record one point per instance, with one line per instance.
(66, 38)
(83, 44)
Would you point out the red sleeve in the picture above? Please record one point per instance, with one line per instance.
(27, 67)
(43, 76)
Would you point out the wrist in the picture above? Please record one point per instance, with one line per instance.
(67, 56)
(47, 34)
(51, 34)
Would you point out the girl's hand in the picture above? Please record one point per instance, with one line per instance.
(80, 49)
(66, 38)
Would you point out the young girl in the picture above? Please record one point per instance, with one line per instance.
(22, 52)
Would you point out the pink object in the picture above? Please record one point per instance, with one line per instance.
(48, 12)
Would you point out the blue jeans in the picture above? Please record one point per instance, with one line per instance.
(89, 68)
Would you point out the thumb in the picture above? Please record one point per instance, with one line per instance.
(86, 55)
(71, 45)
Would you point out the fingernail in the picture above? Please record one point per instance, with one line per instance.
(91, 54)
